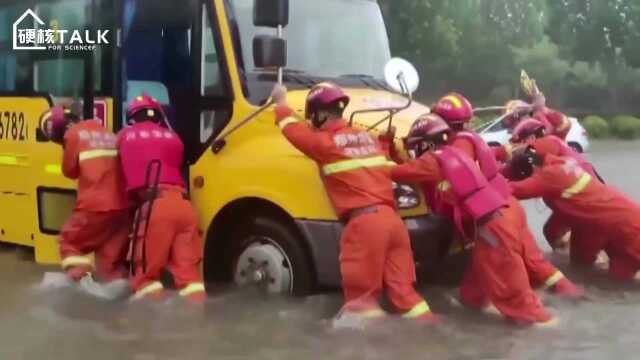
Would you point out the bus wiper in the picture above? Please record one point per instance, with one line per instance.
(293, 71)
(367, 80)
(285, 70)
(300, 76)
(366, 76)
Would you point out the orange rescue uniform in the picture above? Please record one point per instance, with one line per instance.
(500, 258)
(557, 123)
(540, 271)
(610, 220)
(556, 227)
(100, 219)
(375, 249)
(173, 240)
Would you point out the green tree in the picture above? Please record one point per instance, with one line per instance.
(598, 31)
(463, 44)
(583, 52)
(542, 61)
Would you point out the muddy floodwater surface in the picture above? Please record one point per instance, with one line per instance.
(244, 324)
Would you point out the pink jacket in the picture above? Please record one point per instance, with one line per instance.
(486, 159)
(143, 142)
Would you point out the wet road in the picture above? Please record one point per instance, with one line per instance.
(246, 325)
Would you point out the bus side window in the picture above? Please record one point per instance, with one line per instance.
(59, 77)
(7, 71)
(216, 98)
(10, 72)
(211, 76)
(60, 73)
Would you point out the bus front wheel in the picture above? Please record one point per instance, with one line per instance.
(270, 255)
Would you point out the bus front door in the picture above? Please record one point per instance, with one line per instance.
(18, 118)
(54, 195)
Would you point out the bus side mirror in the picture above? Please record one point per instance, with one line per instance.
(401, 76)
(271, 13)
(269, 52)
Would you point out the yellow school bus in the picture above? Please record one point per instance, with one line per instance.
(263, 210)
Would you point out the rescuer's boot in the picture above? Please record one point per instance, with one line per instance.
(429, 319)
(566, 288)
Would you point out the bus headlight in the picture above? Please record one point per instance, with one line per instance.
(406, 196)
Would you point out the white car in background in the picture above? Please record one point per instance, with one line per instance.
(496, 134)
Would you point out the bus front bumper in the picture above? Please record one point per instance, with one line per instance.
(430, 240)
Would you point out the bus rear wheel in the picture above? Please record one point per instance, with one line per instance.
(269, 254)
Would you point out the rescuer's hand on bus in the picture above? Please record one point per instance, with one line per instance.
(279, 94)
(387, 141)
(390, 134)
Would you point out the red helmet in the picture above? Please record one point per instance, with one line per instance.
(454, 108)
(523, 163)
(146, 103)
(428, 130)
(527, 127)
(324, 96)
(55, 121)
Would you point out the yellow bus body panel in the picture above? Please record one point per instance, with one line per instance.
(38, 169)
(257, 163)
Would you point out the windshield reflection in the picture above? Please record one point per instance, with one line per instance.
(328, 38)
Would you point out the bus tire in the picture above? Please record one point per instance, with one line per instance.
(275, 235)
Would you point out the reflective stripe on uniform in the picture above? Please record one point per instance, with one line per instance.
(353, 164)
(287, 121)
(373, 313)
(553, 322)
(554, 279)
(418, 310)
(578, 187)
(192, 289)
(92, 154)
(150, 288)
(75, 261)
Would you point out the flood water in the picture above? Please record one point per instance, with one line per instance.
(244, 324)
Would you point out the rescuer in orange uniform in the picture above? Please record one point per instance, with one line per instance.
(173, 240)
(375, 250)
(531, 132)
(610, 219)
(556, 123)
(514, 112)
(100, 220)
(503, 255)
(457, 111)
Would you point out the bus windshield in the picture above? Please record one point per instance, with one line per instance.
(328, 38)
